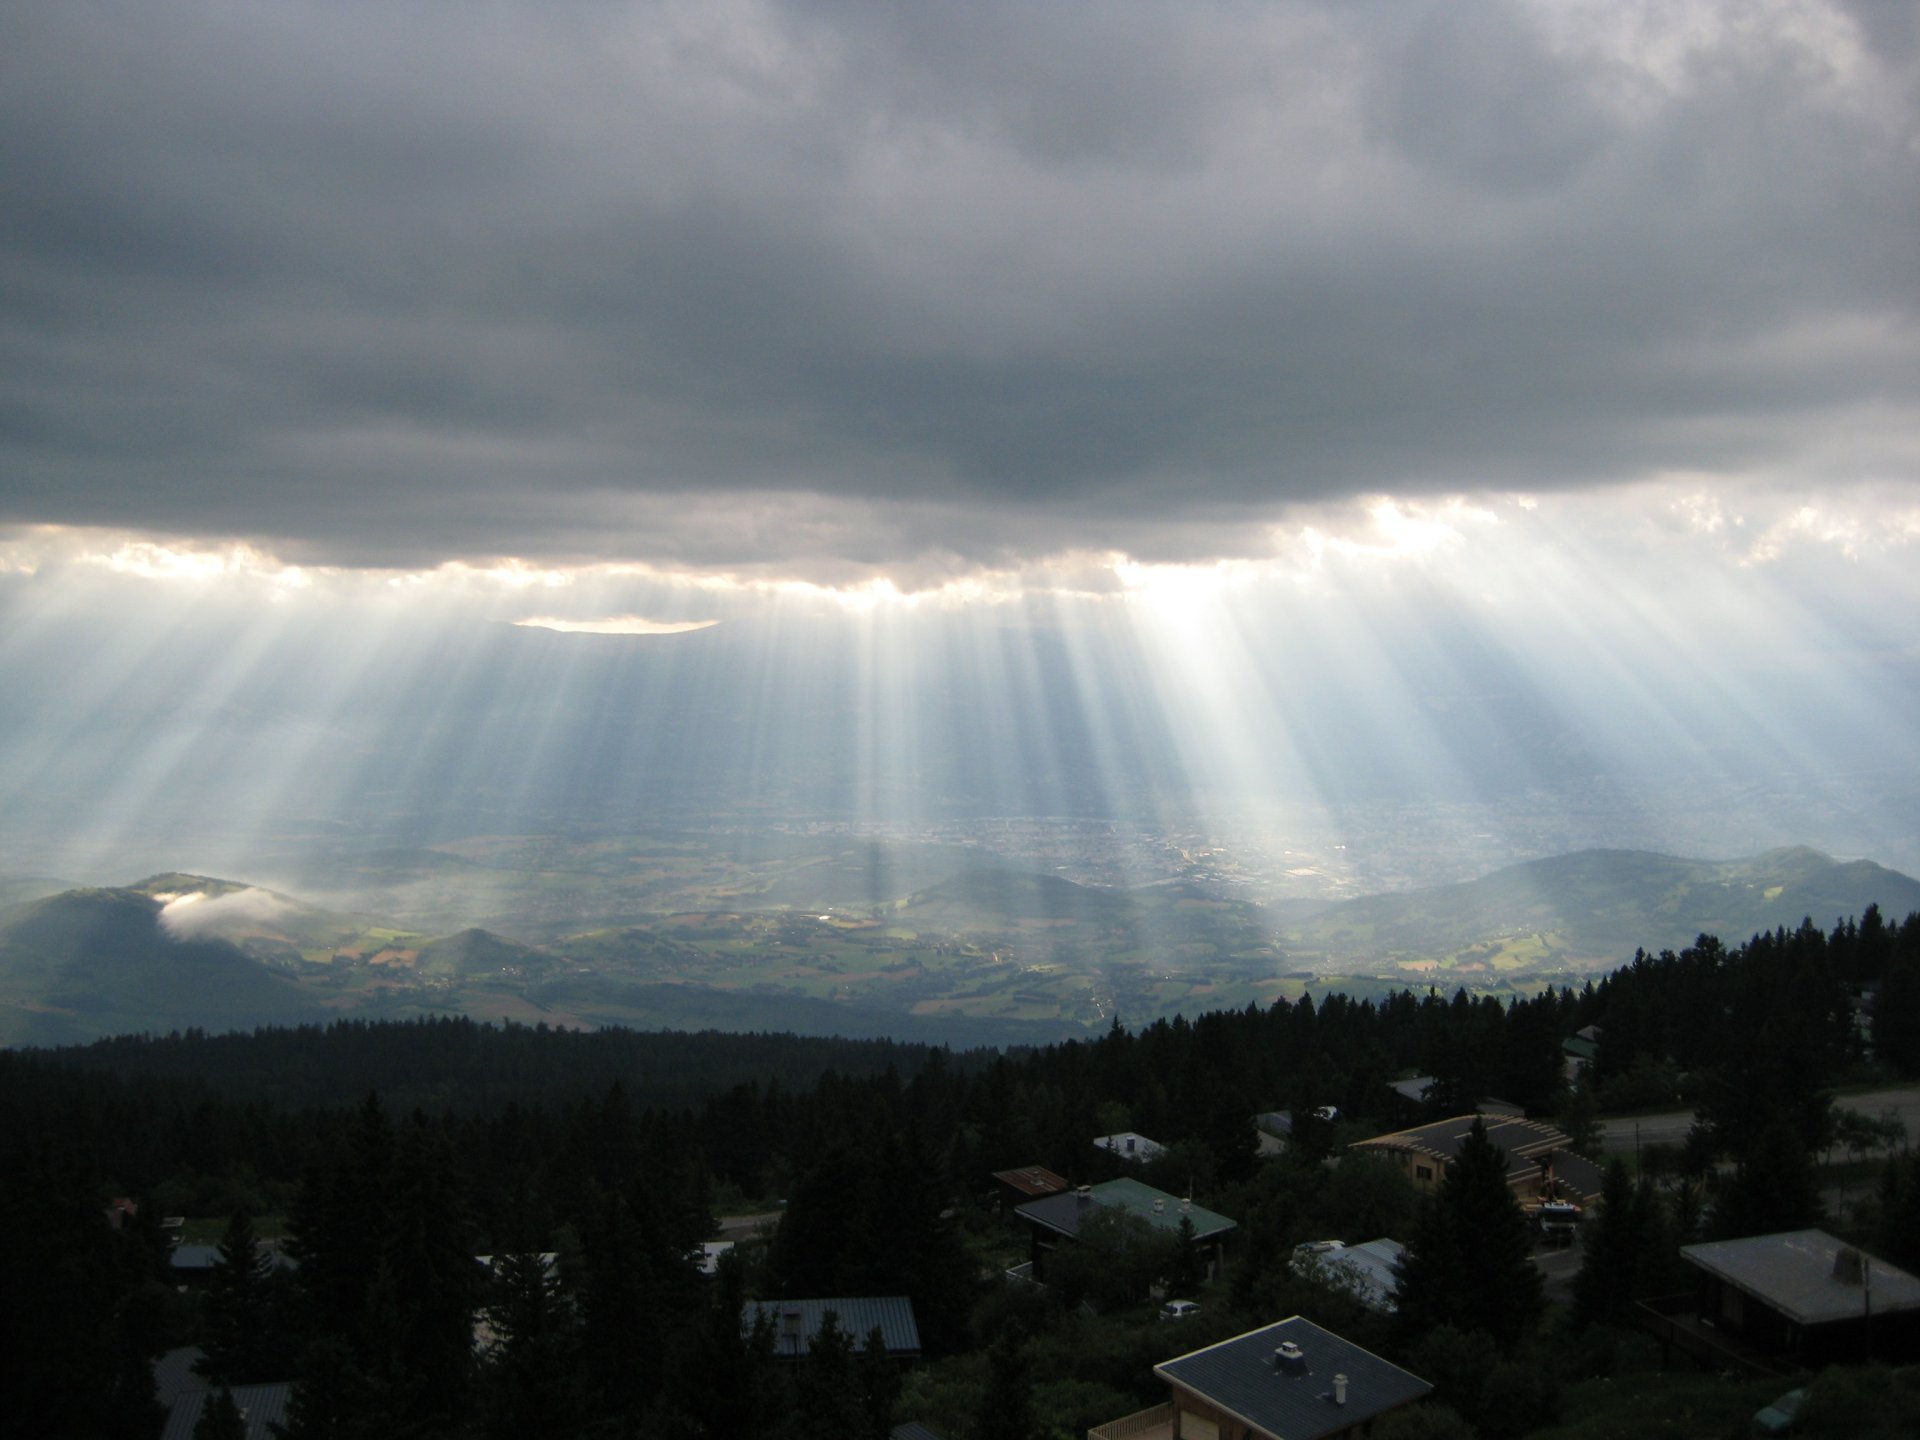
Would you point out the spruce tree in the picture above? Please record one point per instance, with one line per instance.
(240, 1338)
(531, 1377)
(220, 1418)
(1603, 1290)
(828, 1404)
(1469, 1264)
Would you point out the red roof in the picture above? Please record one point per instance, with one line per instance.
(1031, 1180)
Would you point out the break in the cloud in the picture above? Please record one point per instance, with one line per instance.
(834, 291)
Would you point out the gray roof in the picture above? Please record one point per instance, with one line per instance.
(1416, 1090)
(1365, 1270)
(1793, 1272)
(174, 1375)
(1130, 1145)
(205, 1257)
(796, 1322)
(1241, 1377)
(1578, 1175)
(1063, 1213)
(1522, 1140)
(261, 1405)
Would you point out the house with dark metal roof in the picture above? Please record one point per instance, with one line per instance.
(1288, 1381)
(193, 1265)
(796, 1322)
(1806, 1296)
(262, 1409)
(1541, 1164)
(1411, 1098)
(1057, 1218)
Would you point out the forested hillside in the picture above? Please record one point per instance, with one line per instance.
(395, 1153)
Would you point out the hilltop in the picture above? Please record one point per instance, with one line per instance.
(983, 955)
(98, 961)
(1593, 908)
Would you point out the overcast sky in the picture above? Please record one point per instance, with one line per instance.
(832, 291)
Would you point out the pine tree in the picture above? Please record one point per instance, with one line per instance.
(531, 1378)
(220, 1418)
(827, 1398)
(879, 1386)
(1603, 1289)
(1469, 1264)
(241, 1336)
(1184, 1276)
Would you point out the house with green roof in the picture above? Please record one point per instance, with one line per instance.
(1056, 1219)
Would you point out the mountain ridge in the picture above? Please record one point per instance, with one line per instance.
(989, 950)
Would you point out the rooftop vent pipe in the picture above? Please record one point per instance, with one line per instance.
(1848, 1268)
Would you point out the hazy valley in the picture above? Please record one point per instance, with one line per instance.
(840, 937)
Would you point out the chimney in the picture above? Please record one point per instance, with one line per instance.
(1084, 1194)
(1339, 1389)
(1847, 1266)
(1159, 1207)
(1186, 1205)
(1289, 1359)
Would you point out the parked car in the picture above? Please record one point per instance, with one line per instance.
(1782, 1417)
(1180, 1310)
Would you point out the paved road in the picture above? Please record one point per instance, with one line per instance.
(744, 1227)
(1670, 1127)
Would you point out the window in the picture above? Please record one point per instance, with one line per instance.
(1423, 1172)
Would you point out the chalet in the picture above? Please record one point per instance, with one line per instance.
(1273, 1130)
(192, 1266)
(1578, 1049)
(1541, 1165)
(1364, 1271)
(1126, 1145)
(1412, 1097)
(1806, 1297)
(796, 1322)
(1288, 1381)
(1030, 1182)
(1056, 1220)
(263, 1410)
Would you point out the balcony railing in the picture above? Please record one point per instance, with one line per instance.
(1674, 1320)
(1142, 1424)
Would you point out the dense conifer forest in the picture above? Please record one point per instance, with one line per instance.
(393, 1154)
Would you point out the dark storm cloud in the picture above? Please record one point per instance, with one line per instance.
(857, 284)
